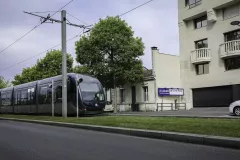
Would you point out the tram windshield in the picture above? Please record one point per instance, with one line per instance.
(91, 91)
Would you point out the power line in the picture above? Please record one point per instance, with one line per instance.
(80, 34)
(20, 38)
(135, 8)
(32, 29)
(77, 18)
(62, 7)
(45, 12)
(74, 36)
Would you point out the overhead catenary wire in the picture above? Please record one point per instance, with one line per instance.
(45, 12)
(62, 8)
(72, 37)
(135, 8)
(36, 26)
(120, 15)
(20, 38)
(117, 15)
(80, 34)
(77, 18)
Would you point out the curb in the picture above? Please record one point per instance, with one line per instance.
(176, 116)
(227, 142)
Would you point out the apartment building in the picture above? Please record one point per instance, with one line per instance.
(209, 52)
(161, 85)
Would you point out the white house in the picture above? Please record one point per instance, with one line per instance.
(209, 52)
(161, 87)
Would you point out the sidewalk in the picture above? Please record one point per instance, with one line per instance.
(213, 112)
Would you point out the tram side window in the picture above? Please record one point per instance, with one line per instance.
(58, 93)
(3, 99)
(43, 99)
(18, 98)
(32, 96)
(24, 97)
(49, 95)
(6, 99)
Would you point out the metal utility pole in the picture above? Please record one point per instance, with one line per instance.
(115, 94)
(77, 99)
(53, 98)
(64, 65)
(64, 50)
(114, 80)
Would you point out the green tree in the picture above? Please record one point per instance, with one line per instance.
(82, 70)
(50, 65)
(112, 50)
(4, 83)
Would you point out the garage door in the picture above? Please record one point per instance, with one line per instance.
(212, 97)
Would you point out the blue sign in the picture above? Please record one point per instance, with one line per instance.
(170, 91)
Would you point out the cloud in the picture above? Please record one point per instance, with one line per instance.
(155, 22)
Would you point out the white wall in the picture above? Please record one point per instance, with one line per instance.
(185, 13)
(149, 105)
(214, 32)
(167, 75)
(167, 71)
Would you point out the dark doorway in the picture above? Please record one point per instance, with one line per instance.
(134, 105)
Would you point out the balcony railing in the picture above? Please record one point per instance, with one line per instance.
(230, 49)
(200, 55)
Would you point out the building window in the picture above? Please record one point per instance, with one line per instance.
(145, 93)
(200, 22)
(202, 69)
(108, 94)
(192, 3)
(122, 95)
(201, 44)
(231, 36)
(232, 63)
(231, 11)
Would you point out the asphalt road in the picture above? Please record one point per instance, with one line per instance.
(25, 141)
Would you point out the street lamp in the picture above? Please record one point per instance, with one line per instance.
(235, 23)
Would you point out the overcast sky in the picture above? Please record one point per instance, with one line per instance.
(155, 22)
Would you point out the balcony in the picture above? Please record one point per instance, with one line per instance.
(230, 49)
(200, 56)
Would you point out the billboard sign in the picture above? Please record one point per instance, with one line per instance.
(170, 91)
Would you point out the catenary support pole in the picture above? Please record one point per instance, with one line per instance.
(52, 97)
(64, 66)
(115, 94)
(77, 98)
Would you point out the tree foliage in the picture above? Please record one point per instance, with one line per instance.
(82, 70)
(50, 65)
(4, 83)
(112, 50)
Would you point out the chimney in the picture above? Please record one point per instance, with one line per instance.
(154, 51)
(154, 48)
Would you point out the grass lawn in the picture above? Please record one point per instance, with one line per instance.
(217, 127)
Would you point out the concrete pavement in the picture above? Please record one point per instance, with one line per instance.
(25, 141)
(213, 112)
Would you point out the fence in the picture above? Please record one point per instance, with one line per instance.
(171, 106)
(150, 107)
